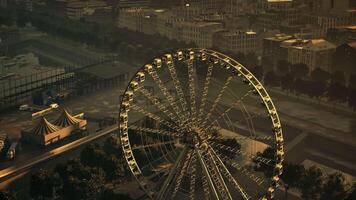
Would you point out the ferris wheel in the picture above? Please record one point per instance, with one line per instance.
(192, 124)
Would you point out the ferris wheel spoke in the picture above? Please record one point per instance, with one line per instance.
(218, 98)
(177, 84)
(156, 118)
(193, 177)
(243, 170)
(135, 147)
(149, 160)
(167, 95)
(160, 105)
(156, 131)
(237, 102)
(228, 175)
(182, 173)
(192, 89)
(213, 173)
(205, 90)
(207, 178)
(172, 173)
(206, 188)
(163, 156)
(266, 161)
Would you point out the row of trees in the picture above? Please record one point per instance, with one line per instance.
(315, 84)
(311, 182)
(90, 177)
(297, 78)
(131, 45)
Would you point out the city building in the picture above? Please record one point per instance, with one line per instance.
(271, 47)
(345, 57)
(22, 75)
(77, 9)
(332, 20)
(277, 4)
(237, 41)
(99, 16)
(138, 19)
(133, 3)
(315, 53)
(198, 32)
(341, 35)
(45, 133)
(327, 6)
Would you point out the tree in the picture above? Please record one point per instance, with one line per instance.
(291, 175)
(83, 182)
(299, 70)
(111, 166)
(351, 193)
(271, 79)
(7, 195)
(311, 183)
(112, 146)
(257, 71)
(41, 185)
(229, 143)
(267, 169)
(251, 59)
(352, 81)
(334, 188)
(287, 82)
(300, 86)
(320, 75)
(337, 92)
(267, 64)
(317, 88)
(283, 67)
(338, 77)
(92, 156)
(109, 194)
(352, 98)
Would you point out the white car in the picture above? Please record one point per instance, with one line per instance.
(24, 107)
(54, 105)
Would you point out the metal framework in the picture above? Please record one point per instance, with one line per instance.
(185, 153)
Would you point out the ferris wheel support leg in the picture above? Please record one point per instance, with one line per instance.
(173, 172)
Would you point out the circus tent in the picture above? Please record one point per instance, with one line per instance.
(65, 119)
(44, 127)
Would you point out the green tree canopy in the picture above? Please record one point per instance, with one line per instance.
(311, 183)
(334, 188)
(320, 75)
(41, 185)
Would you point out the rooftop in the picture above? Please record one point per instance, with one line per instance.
(312, 45)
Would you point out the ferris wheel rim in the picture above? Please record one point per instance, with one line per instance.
(240, 70)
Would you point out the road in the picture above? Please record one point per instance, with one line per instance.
(55, 152)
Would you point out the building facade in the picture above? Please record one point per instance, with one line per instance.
(315, 53)
(77, 9)
(237, 41)
(198, 32)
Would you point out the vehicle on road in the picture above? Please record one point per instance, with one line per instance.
(3, 141)
(12, 150)
(24, 107)
(54, 105)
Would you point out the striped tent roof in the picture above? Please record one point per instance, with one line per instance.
(65, 119)
(44, 127)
